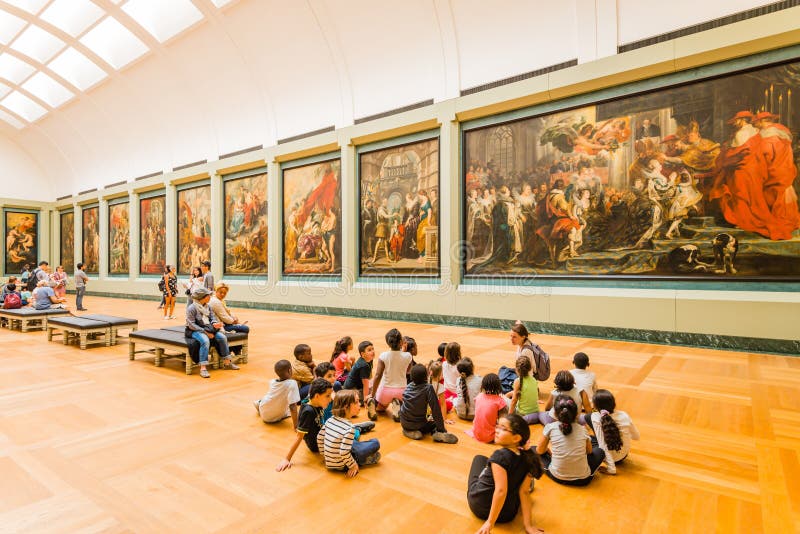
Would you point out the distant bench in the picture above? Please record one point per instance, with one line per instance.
(29, 318)
(89, 329)
(173, 339)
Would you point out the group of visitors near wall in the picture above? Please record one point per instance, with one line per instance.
(583, 430)
(41, 288)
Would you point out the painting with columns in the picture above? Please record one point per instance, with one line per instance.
(312, 227)
(90, 235)
(119, 231)
(194, 227)
(246, 225)
(67, 248)
(399, 210)
(22, 238)
(152, 235)
(693, 181)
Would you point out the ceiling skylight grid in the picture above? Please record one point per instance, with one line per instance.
(49, 49)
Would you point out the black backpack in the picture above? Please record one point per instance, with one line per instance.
(541, 359)
(33, 279)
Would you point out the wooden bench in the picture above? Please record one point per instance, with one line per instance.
(87, 331)
(116, 324)
(172, 339)
(29, 318)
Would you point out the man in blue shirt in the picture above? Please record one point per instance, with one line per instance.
(45, 298)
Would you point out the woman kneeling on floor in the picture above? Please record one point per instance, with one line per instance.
(202, 325)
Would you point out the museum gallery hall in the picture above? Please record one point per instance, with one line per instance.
(425, 266)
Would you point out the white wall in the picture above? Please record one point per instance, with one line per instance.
(22, 176)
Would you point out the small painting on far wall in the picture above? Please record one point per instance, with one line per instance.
(21, 240)
(246, 225)
(90, 235)
(119, 232)
(312, 228)
(194, 227)
(152, 235)
(67, 249)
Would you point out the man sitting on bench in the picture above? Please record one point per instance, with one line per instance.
(203, 326)
(45, 298)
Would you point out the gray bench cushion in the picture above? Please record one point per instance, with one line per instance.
(30, 312)
(112, 319)
(77, 322)
(163, 336)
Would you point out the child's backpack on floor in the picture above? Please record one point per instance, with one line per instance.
(12, 301)
(541, 359)
(507, 376)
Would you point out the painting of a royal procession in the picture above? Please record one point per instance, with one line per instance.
(312, 231)
(67, 249)
(21, 240)
(90, 234)
(698, 180)
(119, 231)
(399, 215)
(246, 225)
(152, 235)
(194, 227)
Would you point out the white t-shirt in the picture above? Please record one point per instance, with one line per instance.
(396, 365)
(450, 375)
(473, 390)
(627, 431)
(585, 381)
(575, 393)
(568, 452)
(274, 406)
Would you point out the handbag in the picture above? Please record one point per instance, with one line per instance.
(162, 286)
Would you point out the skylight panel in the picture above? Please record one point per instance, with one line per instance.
(9, 26)
(77, 69)
(163, 19)
(46, 88)
(31, 6)
(23, 106)
(72, 16)
(4, 90)
(11, 119)
(220, 3)
(37, 43)
(13, 69)
(114, 43)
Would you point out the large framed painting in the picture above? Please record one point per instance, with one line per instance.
(194, 227)
(152, 235)
(399, 210)
(246, 225)
(22, 238)
(694, 181)
(90, 235)
(67, 248)
(312, 230)
(119, 235)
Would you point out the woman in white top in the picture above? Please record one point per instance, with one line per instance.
(393, 366)
(195, 280)
(519, 338)
(614, 430)
(572, 458)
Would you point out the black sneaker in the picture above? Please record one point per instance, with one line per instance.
(445, 437)
(372, 411)
(372, 459)
(365, 426)
(412, 434)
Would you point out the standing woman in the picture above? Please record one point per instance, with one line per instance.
(195, 280)
(59, 279)
(170, 291)
(499, 485)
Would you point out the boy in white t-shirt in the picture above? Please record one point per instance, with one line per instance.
(281, 400)
(584, 380)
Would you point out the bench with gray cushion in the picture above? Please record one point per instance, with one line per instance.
(87, 331)
(173, 339)
(116, 323)
(29, 318)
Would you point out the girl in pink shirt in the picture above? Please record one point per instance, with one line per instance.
(489, 405)
(340, 359)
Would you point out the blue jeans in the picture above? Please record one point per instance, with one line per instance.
(243, 328)
(79, 291)
(205, 344)
(362, 449)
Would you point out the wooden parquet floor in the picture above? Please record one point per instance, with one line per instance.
(92, 442)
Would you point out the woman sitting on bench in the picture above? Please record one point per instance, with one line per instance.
(203, 326)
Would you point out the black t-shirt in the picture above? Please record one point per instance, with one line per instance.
(516, 471)
(309, 421)
(362, 370)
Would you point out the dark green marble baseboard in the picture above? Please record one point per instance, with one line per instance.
(660, 337)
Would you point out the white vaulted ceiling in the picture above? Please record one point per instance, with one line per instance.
(97, 91)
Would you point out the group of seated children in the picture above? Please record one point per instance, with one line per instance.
(419, 397)
(42, 297)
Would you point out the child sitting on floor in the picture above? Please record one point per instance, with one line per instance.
(338, 442)
(435, 379)
(361, 372)
(309, 420)
(565, 385)
(281, 400)
(525, 394)
(340, 358)
(489, 405)
(303, 368)
(440, 350)
(452, 355)
(389, 382)
(410, 346)
(417, 399)
(584, 380)
(613, 428)
(469, 387)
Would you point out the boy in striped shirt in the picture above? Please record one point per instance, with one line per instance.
(337, 440)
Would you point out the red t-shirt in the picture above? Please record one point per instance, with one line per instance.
(486, 409)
